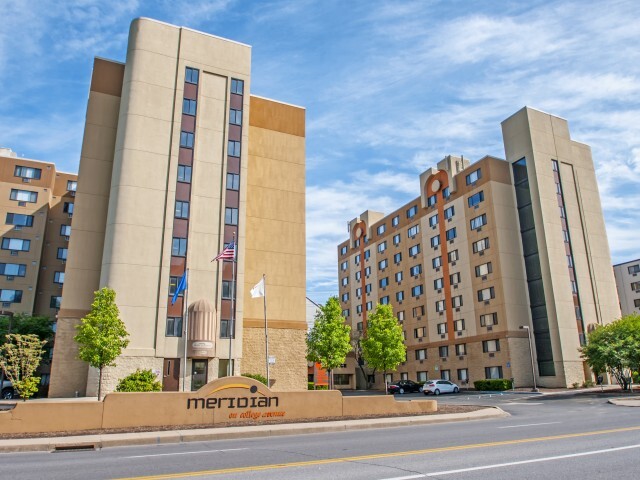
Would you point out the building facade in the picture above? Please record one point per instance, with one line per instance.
(487, 254)
(179, 160)
(628, 283)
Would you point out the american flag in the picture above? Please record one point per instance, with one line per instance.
(229, 253)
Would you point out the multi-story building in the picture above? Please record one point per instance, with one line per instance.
(486, 254)
(628, 283)
(178, 160)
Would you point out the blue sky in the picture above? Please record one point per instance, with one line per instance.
(390, 88)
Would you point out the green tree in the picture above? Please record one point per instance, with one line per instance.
(615, 348)
(101, 334)
(139, 381)
(383, 346)
(19, 358)
(24, 324)
(328, 341)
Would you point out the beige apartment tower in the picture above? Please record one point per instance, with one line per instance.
(178, 160)
(489, 253)
(628, 283)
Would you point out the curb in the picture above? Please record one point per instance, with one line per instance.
(625, 402)
(94, 442)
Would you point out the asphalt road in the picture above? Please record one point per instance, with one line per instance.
(546, 437)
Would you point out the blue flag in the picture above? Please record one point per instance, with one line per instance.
(182, 286)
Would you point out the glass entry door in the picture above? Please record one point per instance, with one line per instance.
(199, 370)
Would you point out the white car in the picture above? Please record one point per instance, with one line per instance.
(440, 386)
(8, 393)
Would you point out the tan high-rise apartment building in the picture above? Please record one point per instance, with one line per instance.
(628, 283)
(178, 159)
(486, 254)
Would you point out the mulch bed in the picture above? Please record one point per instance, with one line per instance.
(442, 409)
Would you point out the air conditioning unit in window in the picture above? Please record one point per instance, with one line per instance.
(14, 253)
(6, 304)
(9, 278)
(66, 238)
(441, 313)
(453, 264)
(449, 219)
(486, 302)
(17, 227)
(421, 361)
(492, 355)
(461, 357)
(26, 180)
(420, 339)
(71, 215)
(443, 359)
(22, 204)
(481, 253)
(489, 328)
(460, 334)
(73, 193)
(484, 277)
(457, 309)
(455, 286)
(442, 335)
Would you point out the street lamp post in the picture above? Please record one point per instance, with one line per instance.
(533, 370)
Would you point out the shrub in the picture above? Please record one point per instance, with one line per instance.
(256, 376)
(310, 386)
(575, 385)
(322, 387)
(139, 381)
(495, 384)
(587, 383)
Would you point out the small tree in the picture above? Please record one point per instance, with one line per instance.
(139, 381)
(24, 324)
(101, 334)
(20, 357)
(328, 341)
(383, 346)
(615, 348)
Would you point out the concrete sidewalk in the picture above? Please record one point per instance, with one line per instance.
(626, 402)
(227, 433)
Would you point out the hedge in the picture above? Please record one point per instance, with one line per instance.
(313, 386)
(495, 384)
(256, 376)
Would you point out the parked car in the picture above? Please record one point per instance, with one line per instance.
(440, 386)
(8, 393)
(404, 386)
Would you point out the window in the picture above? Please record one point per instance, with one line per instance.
(174, 327)
(454, 278)
(356, 259)
(395, 221)
(231, 216)
(344, 281)
(186, 139)
(446, 192)
(490, 346)
(433, 220)
(449, 212)
(400, 316)
(443, 351)
(635, 286)
(415, 250)
(188, 106)
(62, 253)
(233, 181)
(358, 275)
(435, 241)
(451, 233)
(343, 250)
(367, 288)
(358, 308)
(440, 306)
(458, 325)
(55, 301)
(413, 231)
(191, 75)
(436, 262)
(418, 311)
(19, 219)
(421, 376)
(184, 173)
(480, 245)
(357, 243)
(432, 200)
(226, 328)
(486, 294)
(384, 282)
(563, 214)
(420, 332)
(381, 229)
(173, 284)
(233, 148)
(438, 284)
(382, 264)
(463, 375)
(492, 372)
(65, 230)
(478, 221)
(442, 328)
(382, 246)
(345, 297)
(412, 211)
(11, 296)
(235, 116)
(400, 296)
(237, 86)
(13, 269)
(417, 290)
(369, 306)
(28, 172)
(421, 354)
(456, 302)
(488, 319)
(68, 208)
(58, 277)
(367, 271)
(23, 195)
(344, 265)
(484, 269)
(634, 269)
(228, 289)
(72, 185)
(16, 244)
(461, 349)
(415, 270)
(474, 176)
(445, 375)
(396, 239)
(179, 247)
(384, 300)
(636, 302)
(476, 199)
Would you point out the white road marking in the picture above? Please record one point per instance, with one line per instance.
(187, 453)
(408, 477)
(523, 403)
(530, 425)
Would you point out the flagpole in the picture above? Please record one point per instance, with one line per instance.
(266, 328)
(186, 329)
(233, 310)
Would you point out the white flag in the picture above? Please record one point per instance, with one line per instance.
(258, 290)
